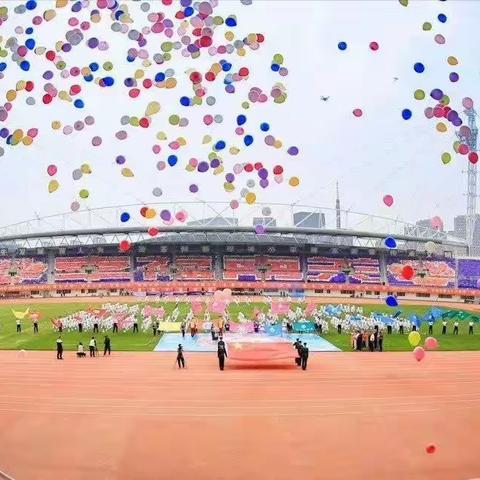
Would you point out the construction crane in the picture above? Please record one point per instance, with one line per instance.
(471, 140)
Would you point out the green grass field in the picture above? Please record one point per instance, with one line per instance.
(145, 341)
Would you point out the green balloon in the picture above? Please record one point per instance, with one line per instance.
(446, 157)
(419, 94)
(427, 26)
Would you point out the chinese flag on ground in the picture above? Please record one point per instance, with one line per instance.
(255, 352)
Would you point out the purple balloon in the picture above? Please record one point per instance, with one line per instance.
(120, 159)
(193, 188)
(259, 229)
(230, 177)
(165, 215)
(436, 94)
(264, 183)
(457, 122)
(263, 173)
(203, 167)
(454, 77)
(294, 150)
(215, 163)
(452, 115)
(4, 132)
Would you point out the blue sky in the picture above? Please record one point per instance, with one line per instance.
(371, 156)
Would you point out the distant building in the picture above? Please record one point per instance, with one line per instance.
(460, 231)
(309, 220)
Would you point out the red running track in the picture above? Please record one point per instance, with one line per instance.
(134, 416)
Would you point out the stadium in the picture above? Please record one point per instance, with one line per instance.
(234, 241)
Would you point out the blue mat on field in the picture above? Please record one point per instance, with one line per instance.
(203, 342)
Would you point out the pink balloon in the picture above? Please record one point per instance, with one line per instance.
(357, 112)
(32, 132)
(419, 353)
(467, 102)
(388, 200)
(51, 170)
(431, 343)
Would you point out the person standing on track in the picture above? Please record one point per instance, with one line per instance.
(91, 347)
(180, 358)
(107, 345)
(304, 356)
(221, 354)
(59, 348)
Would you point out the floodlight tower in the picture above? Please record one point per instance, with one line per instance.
(471, 140)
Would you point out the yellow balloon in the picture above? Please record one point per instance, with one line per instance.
(161, 136)
(452, 61)
(152, 108)
(229, 36)
(63, 95)
(18, 134)
(49, 15)
(173, 119)
(171, 82)
(218, 170)
(250, 198)
(277, 144)
(294, 181)
(206, 139)
(11, 95)
(21, 84)
(419, 94)
(126, 172)
(441, 127)
(56, 125)
(190, 168)
(52, 186)
(61, 3)
(216, 68)
(150, 213)
(414, 338)
(85, 168)
(229, 187)
(234, 150)
(27, 141)
(139, 74)
(134, 121)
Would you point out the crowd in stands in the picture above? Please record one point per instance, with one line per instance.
(22, 271)
(268, 268)
(314, 269)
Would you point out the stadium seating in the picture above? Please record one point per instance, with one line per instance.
(22, 271)
(335, 270)
(92, 269)
(253, 268)
(152, 269)
(194, 268)
(468, 273)
(429, 273)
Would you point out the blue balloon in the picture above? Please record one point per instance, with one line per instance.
(88, 78)
(390, 242)
(419, 67)
(160, 77)
(31, 5)
(3, 66)
(108, 81)
(124, 217)
(25, 66)
(185, 101)
(391, 301)
(226, 66)
(231, 22)
(188, 12)
(30, 43)
(79, 103)
(220, 145)
(275, 67)
(264, 127)
(241, 119)
(93, 66)
(442, 17)
(342, 45)
(406, 114)
(248, 140)
(29, 30)
(172, 160)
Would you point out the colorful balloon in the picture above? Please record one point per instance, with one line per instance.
(431, 343)
(414, 338)
(388, 200)
(391, 301)
(408, 272)
(418, 353)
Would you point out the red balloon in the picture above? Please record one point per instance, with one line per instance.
(47, 99)
(144, 122)
(143, 211)
(210, 76)
(430, 448)
(243, 72)
(473, 157)
(153, 232)
(357, 112)
(195, 77)
(388, 200)
(373, 46)
(408, 272)
(463, 149)
(125, 245)
(134, 93)
(147, 83)
(277, 170)
(258, 165)
(205, 41)
(248, 167)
